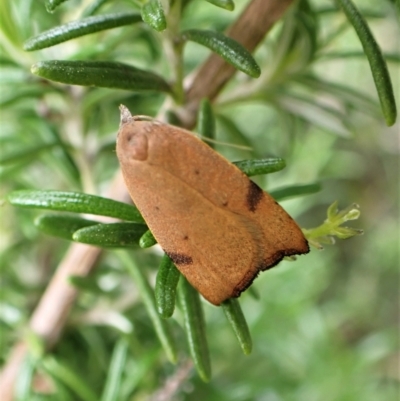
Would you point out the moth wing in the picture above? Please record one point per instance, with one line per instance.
(224, 185)
(213, 248)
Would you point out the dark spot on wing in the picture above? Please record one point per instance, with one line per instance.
(245, 283)
(185, 237)
(254, 196)
(180, 258)
(249, 277)
(197, 172)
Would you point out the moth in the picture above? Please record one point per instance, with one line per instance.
(218, 227)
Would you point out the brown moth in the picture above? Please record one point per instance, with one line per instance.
(219, 228)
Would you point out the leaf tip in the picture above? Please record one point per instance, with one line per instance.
(35, 68)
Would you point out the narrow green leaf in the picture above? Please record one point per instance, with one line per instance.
(147, 240)
(153, 15)
(160, 325)
(112, 387)
(260, 166)
(87, 284)
(377, 63)
(14, 94)
(102, 74)
(234, 314)
(26, 154)
(294, 191)
(114, 235)
(348, 96)
(62, 226)
(75, 202)
(230, 50)
(51, 5)
(69, 378)
(226, 4)
(206, 125)
(75, 29)
(391, 57)
(23, 385)
(193, 315)
(310, 109)
(165, 289)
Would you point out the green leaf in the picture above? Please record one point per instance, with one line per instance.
(348, 96)
(75, 202)
(76, 383)
(294, 191)
(206, 120)
(79, 28)
(51, 5)
(165, 289)
(261, 166)
(114, 235)
(313, 111)
(147, 240)
(86, 284)
(160, 325)
(23, 385)
(226, 4)
(112, 387)
(193, 315)
(391, 57)
(26, 154)
(62, 226)
(230, 50)
(377, 63)
(102, 74)
(153, 15)
(234, 314)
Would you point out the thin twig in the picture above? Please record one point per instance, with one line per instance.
(50, 315)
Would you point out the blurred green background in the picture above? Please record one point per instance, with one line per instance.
(325, 326)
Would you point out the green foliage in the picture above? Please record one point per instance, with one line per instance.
(227, 4)
(331, 227)
(377, 62)
(165, 288)
(322, 327)
(234, 314)
(74, 202)
(230, 50)
(114, 235)
(153, 15)
(194, 321)
(75, 29)
(103, 74)
(206, 125)
(161, 325)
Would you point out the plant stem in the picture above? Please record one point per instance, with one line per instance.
(173, 48)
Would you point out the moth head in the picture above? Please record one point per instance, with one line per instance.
(132, 141)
